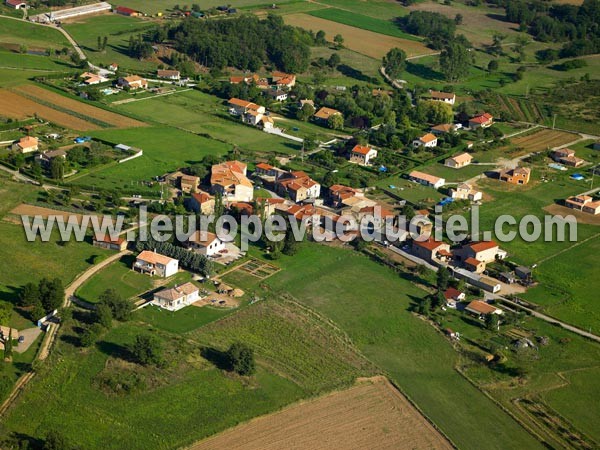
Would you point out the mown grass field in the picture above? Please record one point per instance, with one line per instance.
(380, 9)
(31, 35)
(9, 59)
(182, 321)
(156, 6)
(407, 348)
(165, 149)
(185, 401)
(118, 276)
(387, 27)
(203, 113)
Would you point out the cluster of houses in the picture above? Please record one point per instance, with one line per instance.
(276, 87)
(250, 113)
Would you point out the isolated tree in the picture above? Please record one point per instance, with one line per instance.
(30, 293)
(334, 60)
(338, 40)
(290, 245)
(90, 335)
(99, 43)
(104, 42)
(55, 440)
(424, 307)
(493, 65)
(241, 358)
(335, 122)
(306, 112)
(147, 350)
(458, 19)
(455, 61)
(320, 38)
(8, 346)
(394, 62)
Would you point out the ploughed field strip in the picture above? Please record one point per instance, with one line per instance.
(372, 414)
(543, 139)
(28, 100)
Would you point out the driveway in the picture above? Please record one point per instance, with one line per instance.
(30, 335)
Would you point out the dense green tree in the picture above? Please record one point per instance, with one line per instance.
(90, 335)
(306, 112)
(57, 168)
(335, 122)
(455, 62)
(103, 315)
(443, 278)
(241, 358)
(147, 350)
(394, 62)
(338, 40)
(55, 440)
(120, 307)
(492, 65)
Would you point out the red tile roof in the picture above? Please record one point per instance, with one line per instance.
(452, 293)
(430, 244)
(361, 149)
(482, 246)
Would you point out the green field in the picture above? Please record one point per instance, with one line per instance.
(182, 321)
(380, 9)
(34, 36)
(165, 149)
(365, 22)
(416, 357)
(454, 175)
(118, 29)
(119, 276)
(156, 6)
(203, 113)
(24, 61)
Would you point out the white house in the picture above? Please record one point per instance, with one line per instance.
(153, 263)
(427, 140)
(362, 154)
(230, 180)
(177, 297)
(169, 74)
(16, 4)
(205, 243)
(446, 97)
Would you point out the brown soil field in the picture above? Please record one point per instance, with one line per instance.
(32, 210)
(111, 118)
(17, 107)
(372, 414)
(560, 210)
(544, 139)
(365, 42)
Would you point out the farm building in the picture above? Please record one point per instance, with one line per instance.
(240, 107)
(62, 14)
(485, 251)
(426, 179)
(474, 265)
(458, 161)
(106, 241)
(518, 175)
(362, 154)
(153, 263)
(123, 10)
(177, 297)
(277, 94)
(188, 183)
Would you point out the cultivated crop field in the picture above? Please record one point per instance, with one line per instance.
(362, 41)
(18, 107)
(77, 108)
(544, 139)
(372, 414)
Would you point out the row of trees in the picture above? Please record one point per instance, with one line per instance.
(43, 297)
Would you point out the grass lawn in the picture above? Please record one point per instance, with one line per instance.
(454, 175)
(383, 26)
(165, 149)
(380, 9)
(31, 35)
(23, 61)
(405, 347)
(413, 192)
(354, 68)
(203, 113)
(117, 28)
(156, 6)
(182, 321)
(119, 276)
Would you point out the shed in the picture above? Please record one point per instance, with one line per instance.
(524, 273)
